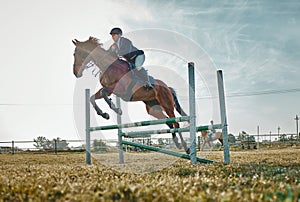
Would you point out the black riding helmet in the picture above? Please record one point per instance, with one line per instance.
(116, 30)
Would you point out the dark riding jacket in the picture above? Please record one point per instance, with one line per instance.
(126, 49)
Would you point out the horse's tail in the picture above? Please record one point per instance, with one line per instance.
(177, 105)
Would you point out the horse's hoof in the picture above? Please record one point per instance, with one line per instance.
(105, 115)
(188, 151)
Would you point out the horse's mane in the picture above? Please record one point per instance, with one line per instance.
(89, 44)
(95, 41)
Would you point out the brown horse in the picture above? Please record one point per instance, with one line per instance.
(207, 138)
(117, 78)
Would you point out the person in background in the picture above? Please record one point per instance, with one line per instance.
(212, 131)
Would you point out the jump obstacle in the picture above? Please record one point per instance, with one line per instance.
(192, 128)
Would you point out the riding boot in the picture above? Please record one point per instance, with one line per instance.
(143, 74)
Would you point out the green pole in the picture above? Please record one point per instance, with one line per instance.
(141, 123)
(164, 151)
(174, 130)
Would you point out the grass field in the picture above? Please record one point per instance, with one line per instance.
(253, 175)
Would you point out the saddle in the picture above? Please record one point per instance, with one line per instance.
(137, 77)
(140, 76)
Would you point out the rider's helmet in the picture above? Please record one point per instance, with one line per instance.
(116, 30)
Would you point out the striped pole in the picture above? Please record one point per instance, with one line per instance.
(141, 123)
(173, 130)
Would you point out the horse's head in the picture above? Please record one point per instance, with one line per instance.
(82, 54)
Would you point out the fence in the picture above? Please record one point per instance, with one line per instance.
(28, 145)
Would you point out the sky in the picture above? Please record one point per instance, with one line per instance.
(255, 43)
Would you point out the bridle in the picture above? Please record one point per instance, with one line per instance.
(83, 55)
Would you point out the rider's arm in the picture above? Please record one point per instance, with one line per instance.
(125, 46)
(113, 49)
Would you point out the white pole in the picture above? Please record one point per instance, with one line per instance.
(223, 116)
(192, 108)
(119, 121)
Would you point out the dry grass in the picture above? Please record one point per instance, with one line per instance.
(264, 175)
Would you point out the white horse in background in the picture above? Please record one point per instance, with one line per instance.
(210, 137)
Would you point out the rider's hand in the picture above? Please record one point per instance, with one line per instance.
(113, 47)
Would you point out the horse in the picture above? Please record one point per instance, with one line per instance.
(118, 78)
(208, 138)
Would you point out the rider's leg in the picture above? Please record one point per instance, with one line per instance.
(142, 72)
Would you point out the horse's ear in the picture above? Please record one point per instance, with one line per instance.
(74, 42)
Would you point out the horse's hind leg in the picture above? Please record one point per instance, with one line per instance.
(155, 110)
(170, 112)
(166, 100)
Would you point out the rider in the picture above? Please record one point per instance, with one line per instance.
(212, 131)
(124, 48)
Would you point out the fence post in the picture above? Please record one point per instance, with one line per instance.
(119, 121)
(87, 127)
(223, 116)
(13, 147)
(192, 109)
(55, 146)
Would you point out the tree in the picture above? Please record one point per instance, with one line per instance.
(291, 138)
(40, 142)
(44, 143)
(282, 137)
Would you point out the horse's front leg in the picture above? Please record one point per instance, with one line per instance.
(105, 92)
(93, 102)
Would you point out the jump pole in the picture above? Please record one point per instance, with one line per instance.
(223, 116)
(119, 121)
(192, 108)
(87, 128)
(173, 130)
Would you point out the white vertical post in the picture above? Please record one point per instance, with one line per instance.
(87, 128)
(257, 137)
(192, 109)
(223, 116)
(119, 120)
